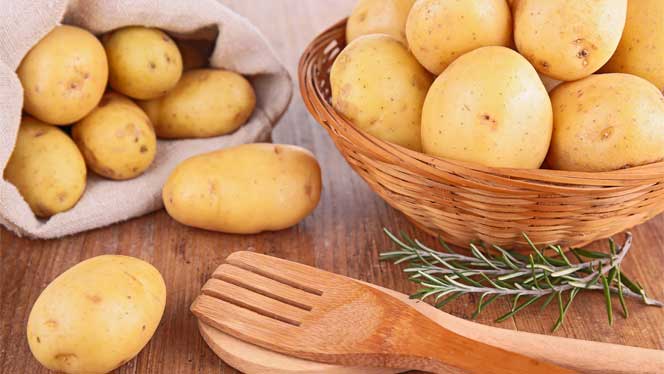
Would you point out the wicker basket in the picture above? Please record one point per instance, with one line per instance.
(463, 202)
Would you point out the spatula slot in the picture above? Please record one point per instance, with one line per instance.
(265, 286)
(278, 270)
(253, 301)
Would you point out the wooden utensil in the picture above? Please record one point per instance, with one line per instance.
(312, 314)
(581, 355)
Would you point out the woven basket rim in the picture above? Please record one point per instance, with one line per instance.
(311, 93)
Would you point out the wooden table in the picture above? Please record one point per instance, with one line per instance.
(343, 235)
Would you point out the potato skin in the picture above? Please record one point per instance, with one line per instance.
(641, 49)
(606, 122)
(439, 31)
(245, 189)
(97, 315)
(116, 138)
(205, 103)
(380, 87)
(568, 39)
(46, 168)
(489, 107)
(379, 17)
(144, 63)
(63, 76)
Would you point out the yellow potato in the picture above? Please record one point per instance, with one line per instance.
(606, 122)
(568, 39)
(195, 53)
(245, 189)
(117, 139)
(46, 168)
(144, 63)
(489, 107)
(63, 76)
(380, 87)
(641, 49)
(439, 31)
(97, 315)
(205, 103)
(379, 17)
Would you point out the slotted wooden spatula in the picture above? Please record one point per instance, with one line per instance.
(312, 314)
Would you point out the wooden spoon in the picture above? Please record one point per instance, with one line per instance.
(581, 355)
(315, 315)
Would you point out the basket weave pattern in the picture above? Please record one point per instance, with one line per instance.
(463, 202)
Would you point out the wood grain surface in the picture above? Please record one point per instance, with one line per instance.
(343, 235)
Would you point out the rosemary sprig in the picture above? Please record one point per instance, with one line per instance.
(444, 276)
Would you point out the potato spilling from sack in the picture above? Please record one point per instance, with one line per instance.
(380, 87)
(47, 168)
(71, 78)
(96, 316)
(144, 63)
(204, 103)
(568, 39)
(116, 138)
(490, 108)
(63, 76)
(607, 122)
(245, 189)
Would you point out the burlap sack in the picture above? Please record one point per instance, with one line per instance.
(239, 47)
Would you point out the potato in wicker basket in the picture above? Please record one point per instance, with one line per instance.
(463, 202)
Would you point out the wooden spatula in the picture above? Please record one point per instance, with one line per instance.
(312, 314)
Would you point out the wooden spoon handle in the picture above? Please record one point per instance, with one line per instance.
(580, 355)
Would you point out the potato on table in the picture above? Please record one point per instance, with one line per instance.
(380, 87)
(205, 103)
(96, 316)
(606, 122)
(439, 31)
(568, 39)
(144, 63)
(489, 107)
(47, 168)
(245, 189)
(379, 17)
(116, 138)
(63, 76)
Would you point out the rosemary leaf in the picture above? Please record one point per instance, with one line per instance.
(607, 297)
(444, 276)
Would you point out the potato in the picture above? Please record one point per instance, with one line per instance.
(46, 168)
(205, 103)
(641, 49)
(489, 107)
(63, 76)
(379, 17)
(439, 31)
(568, 39)
(245, 189)
(116, 138)
(606, 122)
(144, 63)
(195, 53)
(380, 87)
(97, 315)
